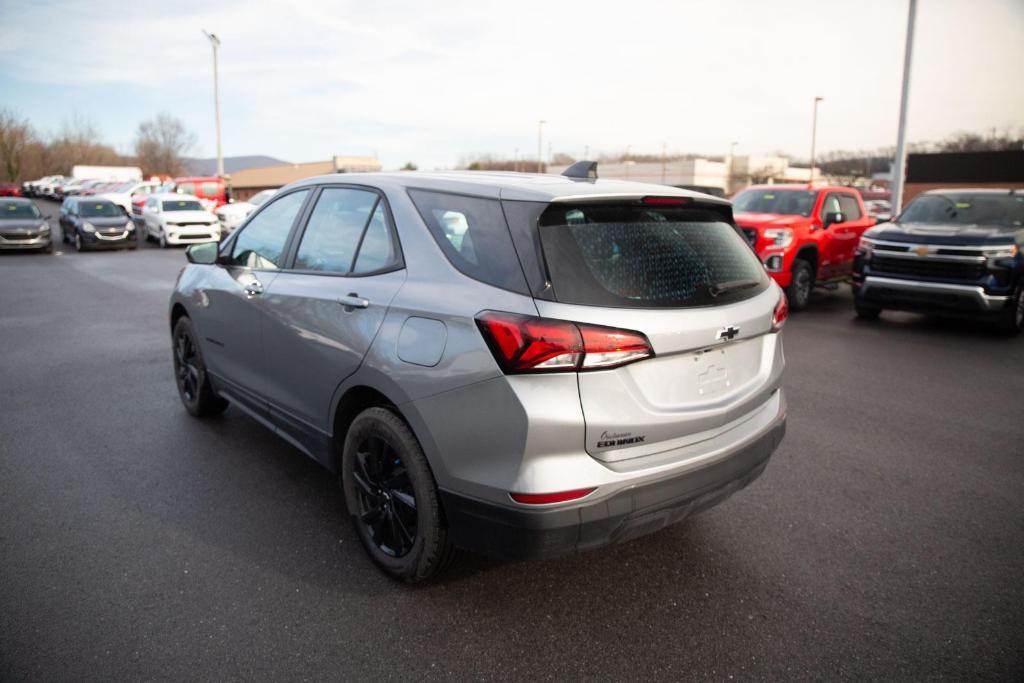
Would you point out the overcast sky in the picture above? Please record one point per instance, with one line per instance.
(435, 82)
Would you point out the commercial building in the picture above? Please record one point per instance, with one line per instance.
(963, 169)
(718, 177)
(247, 182)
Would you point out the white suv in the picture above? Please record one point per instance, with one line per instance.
(178, 219)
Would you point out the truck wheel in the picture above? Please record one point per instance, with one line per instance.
(392, 497)
(799, 290)
(866, 311)
(1012, 320)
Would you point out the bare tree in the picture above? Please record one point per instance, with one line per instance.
(161, 143)
(15, 135)
(78, 143)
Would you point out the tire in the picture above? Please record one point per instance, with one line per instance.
(162, 239)
(79, 246)
(392, 498)
(866, 311)
(48, 249)
(190, 374)
(1012, 320)
(799, 290)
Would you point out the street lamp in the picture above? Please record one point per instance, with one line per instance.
(215, 44)
(899, 165)
(732, 165)
(540, 147)
(814, 133)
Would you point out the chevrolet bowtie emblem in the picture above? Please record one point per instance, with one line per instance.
(727, 333)
(922, 251)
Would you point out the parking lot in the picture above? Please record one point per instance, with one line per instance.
(883, 540)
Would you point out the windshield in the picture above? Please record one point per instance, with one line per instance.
(182, 205)
(260, 197)
(638, 257)
(962, 208)
(99, 209)
(781, 202)
(16, 210)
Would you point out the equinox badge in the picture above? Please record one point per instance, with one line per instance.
(727, 333)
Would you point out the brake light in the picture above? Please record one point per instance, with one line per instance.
(781, 313)
(545, 498)
(665, 201)
(522, 343)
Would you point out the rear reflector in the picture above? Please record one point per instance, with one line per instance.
(522, 343)
(666, 201)
(781, 313)
(545, 498)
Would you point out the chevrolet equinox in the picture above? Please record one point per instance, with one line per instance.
(512, 364)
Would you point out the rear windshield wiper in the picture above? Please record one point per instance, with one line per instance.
(731, 286)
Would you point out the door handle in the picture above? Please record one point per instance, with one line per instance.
(254, 288)
(353, 301)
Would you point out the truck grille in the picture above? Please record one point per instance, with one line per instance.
(943, 270)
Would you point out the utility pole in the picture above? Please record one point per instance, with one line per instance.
(814, 133)
(540, 146)
(732, 165)
(215, 44)
(900, 163)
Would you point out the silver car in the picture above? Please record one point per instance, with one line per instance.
(518, 365)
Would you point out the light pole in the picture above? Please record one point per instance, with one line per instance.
(814, 134)
(899, 167)
(540, 146)
(215, 44)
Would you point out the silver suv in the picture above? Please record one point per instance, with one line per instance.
(518, 365)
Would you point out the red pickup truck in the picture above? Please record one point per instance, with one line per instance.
(805, 235)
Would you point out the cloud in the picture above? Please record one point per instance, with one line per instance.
(432, 82)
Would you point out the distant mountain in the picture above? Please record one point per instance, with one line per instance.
(208, 167)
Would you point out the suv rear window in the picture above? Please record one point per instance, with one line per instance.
(631, 256)
(472, 233)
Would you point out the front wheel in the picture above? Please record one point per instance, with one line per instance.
(162, 240)
(799, 290)
(190, 374)
(79, 245)
(1012, 320)
(392, 497)
(866, 311)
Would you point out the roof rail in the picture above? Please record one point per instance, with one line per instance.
(582, 170)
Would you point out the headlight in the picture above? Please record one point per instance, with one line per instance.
(780, 237)
(1002, 251)
(866, 242)
(88, 227)
(129, 226)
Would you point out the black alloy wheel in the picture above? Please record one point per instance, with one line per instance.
(387, 502)
(392, 498)
(190, 375)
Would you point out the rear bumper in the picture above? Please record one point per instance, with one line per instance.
(517, 533)
(915, 295)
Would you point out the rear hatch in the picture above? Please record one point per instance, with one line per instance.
(677, 271)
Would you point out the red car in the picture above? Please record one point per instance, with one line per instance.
(9, 190)
(805, 235)
(211, 191)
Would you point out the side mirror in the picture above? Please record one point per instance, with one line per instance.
(834, 217)
(204, 254)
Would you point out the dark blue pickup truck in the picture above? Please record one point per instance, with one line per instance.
(951, 252)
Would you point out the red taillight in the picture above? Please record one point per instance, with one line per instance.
(780, 314)
(545, 498)
(665, 201)
(522, 343)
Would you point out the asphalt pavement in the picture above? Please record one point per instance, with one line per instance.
(885, 539)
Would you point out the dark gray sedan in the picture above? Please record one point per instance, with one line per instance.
(22, 226)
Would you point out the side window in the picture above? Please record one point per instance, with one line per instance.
(377, 250)
(261, 242)
(332, 234)
(473, 234)
(830, 205)
(849, 207)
